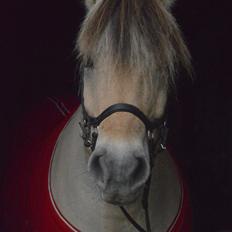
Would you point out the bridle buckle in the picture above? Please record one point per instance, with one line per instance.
(163, 136)
(150, 135)
(89, 135)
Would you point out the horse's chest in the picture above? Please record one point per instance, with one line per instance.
(77, 198)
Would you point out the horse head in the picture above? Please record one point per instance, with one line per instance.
(130, 52)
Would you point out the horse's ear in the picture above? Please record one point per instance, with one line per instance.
(89, 3)
(168, 3)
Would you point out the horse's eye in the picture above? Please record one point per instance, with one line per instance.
(89, 64)
(88, 68)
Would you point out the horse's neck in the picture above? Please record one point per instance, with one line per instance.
(78, 199)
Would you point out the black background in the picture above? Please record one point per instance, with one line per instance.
(36, 51)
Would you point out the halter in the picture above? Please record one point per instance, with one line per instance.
(89, 127)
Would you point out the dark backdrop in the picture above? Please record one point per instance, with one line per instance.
(36, 51)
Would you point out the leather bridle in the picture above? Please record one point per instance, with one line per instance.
(89, 127)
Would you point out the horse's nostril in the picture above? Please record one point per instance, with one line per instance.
(140, 172)
(96, 167)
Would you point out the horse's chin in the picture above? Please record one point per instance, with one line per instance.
(121, 200)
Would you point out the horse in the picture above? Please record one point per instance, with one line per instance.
(121, 178)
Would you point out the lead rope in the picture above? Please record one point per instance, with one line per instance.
(147, 187)
(145, 207)
(144, 204)
(131, 220)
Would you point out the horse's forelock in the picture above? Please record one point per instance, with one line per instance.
(134, 35)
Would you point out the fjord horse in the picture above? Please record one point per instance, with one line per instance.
(124, 180)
